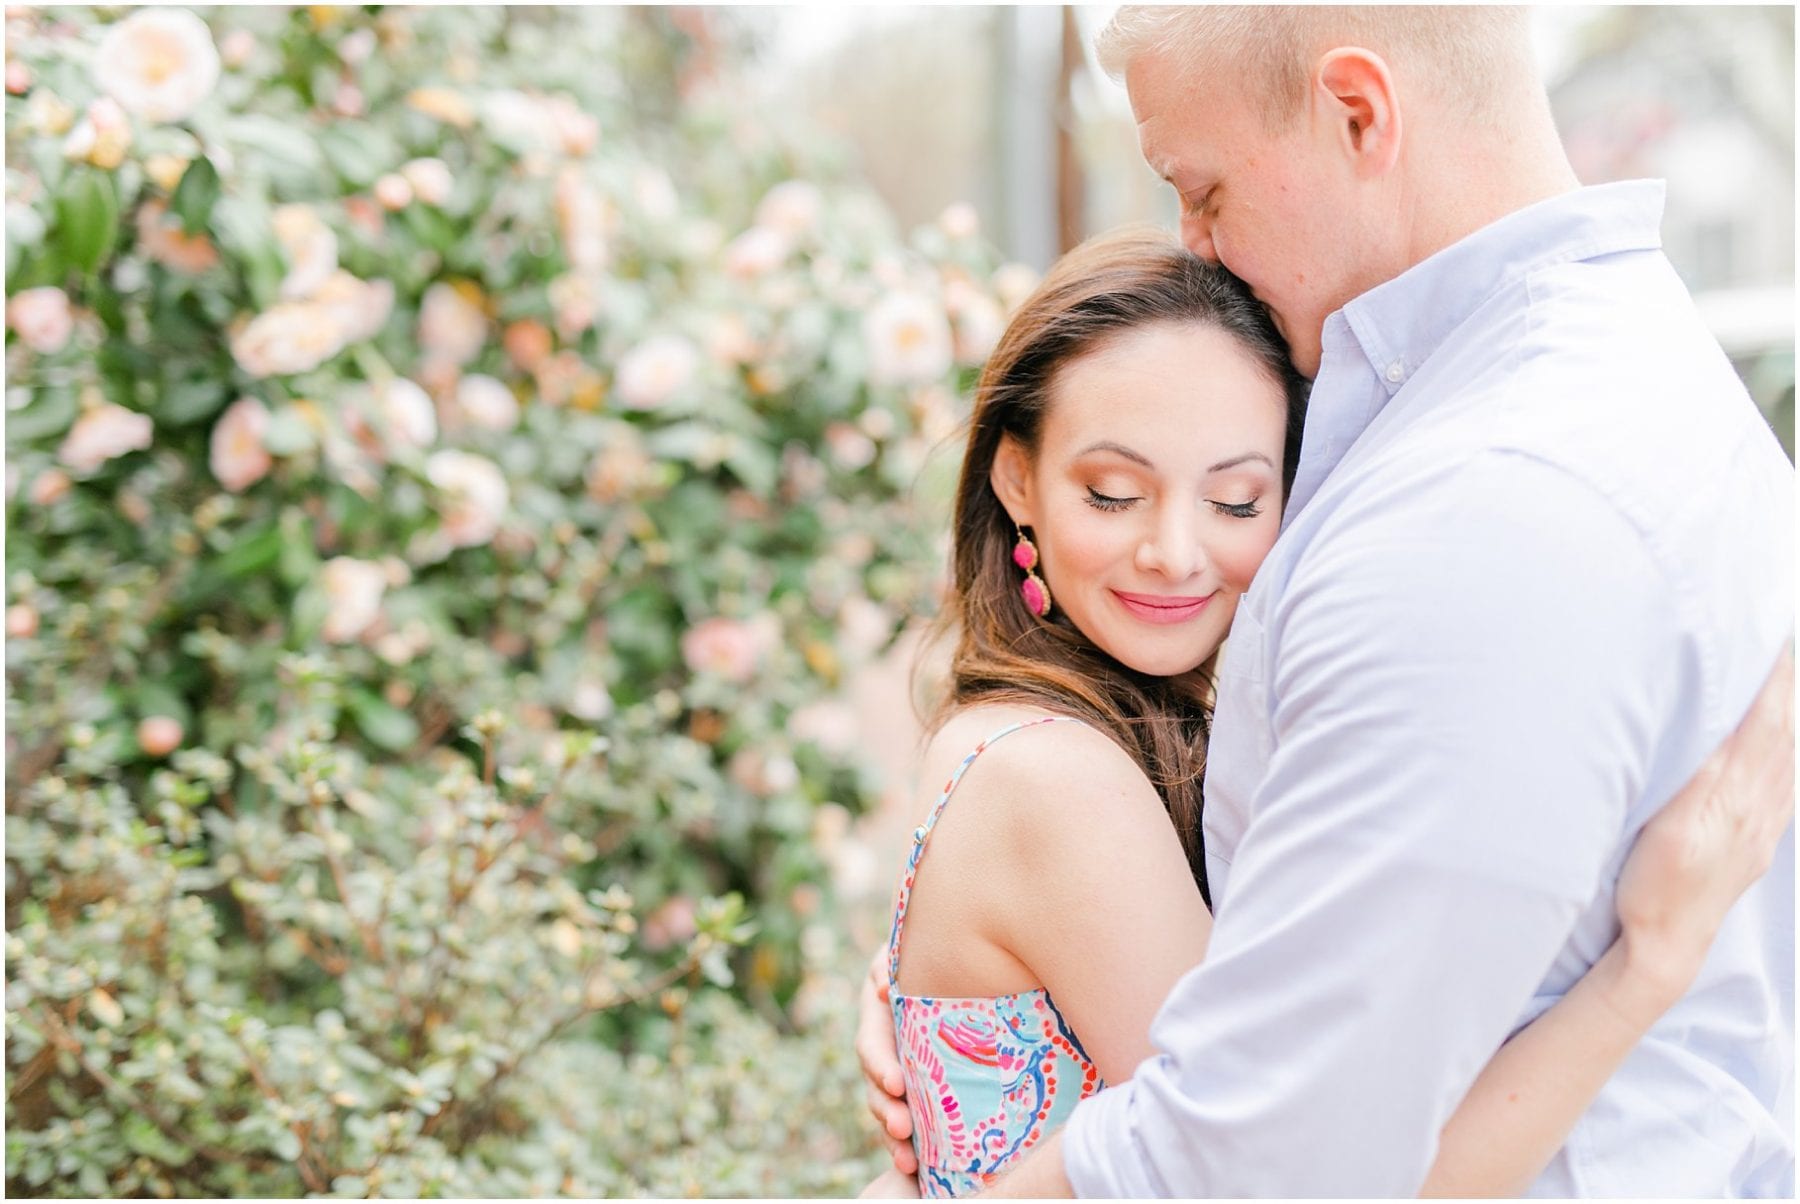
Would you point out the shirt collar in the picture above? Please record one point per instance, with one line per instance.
(1400, 323)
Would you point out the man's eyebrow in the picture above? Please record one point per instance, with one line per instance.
(1117, 449)
(1222, 465)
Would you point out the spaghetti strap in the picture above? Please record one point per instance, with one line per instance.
(923, 833)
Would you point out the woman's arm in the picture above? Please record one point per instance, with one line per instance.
(1090, 888)
(1689, 866)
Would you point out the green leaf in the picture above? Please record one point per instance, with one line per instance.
(358, 152)
(196, 195)
(251, 555)
(190, 401)
(51, 412)
(385, 725)
(288, 434)
(154, 698)
(87, 218)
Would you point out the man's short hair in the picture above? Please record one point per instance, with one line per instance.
(1475, 56)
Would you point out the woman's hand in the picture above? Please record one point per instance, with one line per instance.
(1701, 852)
(883, 1081)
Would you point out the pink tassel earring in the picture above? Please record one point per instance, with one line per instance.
(1035, 592)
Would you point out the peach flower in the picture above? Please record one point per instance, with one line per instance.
(159, 735)
(101, 137)
(451, 326)
(102, 434)
(429, 178)
(238, 457)
(42, 318)
(733, 649)
(310, 248)
(289, 338)
(908, 339)
(527, 342)
(21, 621)
(791, 207)
(487, 402)
(163, 240)
(476, 492)
(353, 590)
(159, 63)
(756, 252)
(393, 192)
(49, 487)
(655, 370)
(580, 220)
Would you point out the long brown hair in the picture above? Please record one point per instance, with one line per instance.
(1004, 653)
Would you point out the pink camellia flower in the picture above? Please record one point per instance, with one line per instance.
(654, 371)
(476, 492)
(574, 301)
(671, 924)
(580, 220)
(406, 413)
(756, 252)
(159, 735)
(358, 308)
(353, 590)
(237, 455)
(289, 338)
(908, 339)
(101, 137)
(160, 63)
(21, 621)
(960, 221)
(42, 318)
(850, 449)
(393, 192)
(1014, 282)
(576, 132)
(487, 402)
(429, 179)
(18, 78)
(50, 486)
(162, 238)
(451, 326)
(236, 47)
(310, 248)
(102, 434)
(792, 207)
(733, 649)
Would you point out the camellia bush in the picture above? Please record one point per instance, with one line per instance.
(454, 457)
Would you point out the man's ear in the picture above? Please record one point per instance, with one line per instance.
(1010, 477)
(1362, 109)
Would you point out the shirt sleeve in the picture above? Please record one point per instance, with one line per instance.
(1468, 695)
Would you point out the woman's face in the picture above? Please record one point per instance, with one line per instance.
(1155, 492)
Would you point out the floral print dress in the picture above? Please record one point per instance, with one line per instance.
(987, 1078)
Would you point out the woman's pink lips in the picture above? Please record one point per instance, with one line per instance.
(1161, 608)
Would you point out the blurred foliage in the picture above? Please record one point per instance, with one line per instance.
(454, 457)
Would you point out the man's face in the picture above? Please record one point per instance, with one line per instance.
(1267, 206)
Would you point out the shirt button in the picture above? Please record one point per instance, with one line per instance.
(1396, 373)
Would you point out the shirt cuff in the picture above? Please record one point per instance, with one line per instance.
(1101, 1153)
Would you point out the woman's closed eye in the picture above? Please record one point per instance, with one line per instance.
(1108, 503)
(1247, 509)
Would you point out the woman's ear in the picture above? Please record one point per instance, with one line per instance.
(1010, 477)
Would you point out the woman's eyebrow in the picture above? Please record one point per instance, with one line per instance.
(1222, 465)
(1117, 449)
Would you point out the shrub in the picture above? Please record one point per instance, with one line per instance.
(454, 457)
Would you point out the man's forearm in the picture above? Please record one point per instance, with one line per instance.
(1038, 1177)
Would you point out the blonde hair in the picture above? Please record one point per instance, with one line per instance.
(1474, 57)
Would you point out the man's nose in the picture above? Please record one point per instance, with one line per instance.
(1196, 235)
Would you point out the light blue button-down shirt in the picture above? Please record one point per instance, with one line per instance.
(1537, 562)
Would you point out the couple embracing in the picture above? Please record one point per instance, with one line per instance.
(1500, 744)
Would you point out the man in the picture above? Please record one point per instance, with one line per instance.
(1536, 563)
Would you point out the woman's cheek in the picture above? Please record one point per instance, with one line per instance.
(1240, 557)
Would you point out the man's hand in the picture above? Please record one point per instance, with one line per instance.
(1710, 843)
(883, 1082)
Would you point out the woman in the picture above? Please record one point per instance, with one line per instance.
(1134, 435)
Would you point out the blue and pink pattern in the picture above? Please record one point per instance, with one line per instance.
(987, 1078)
